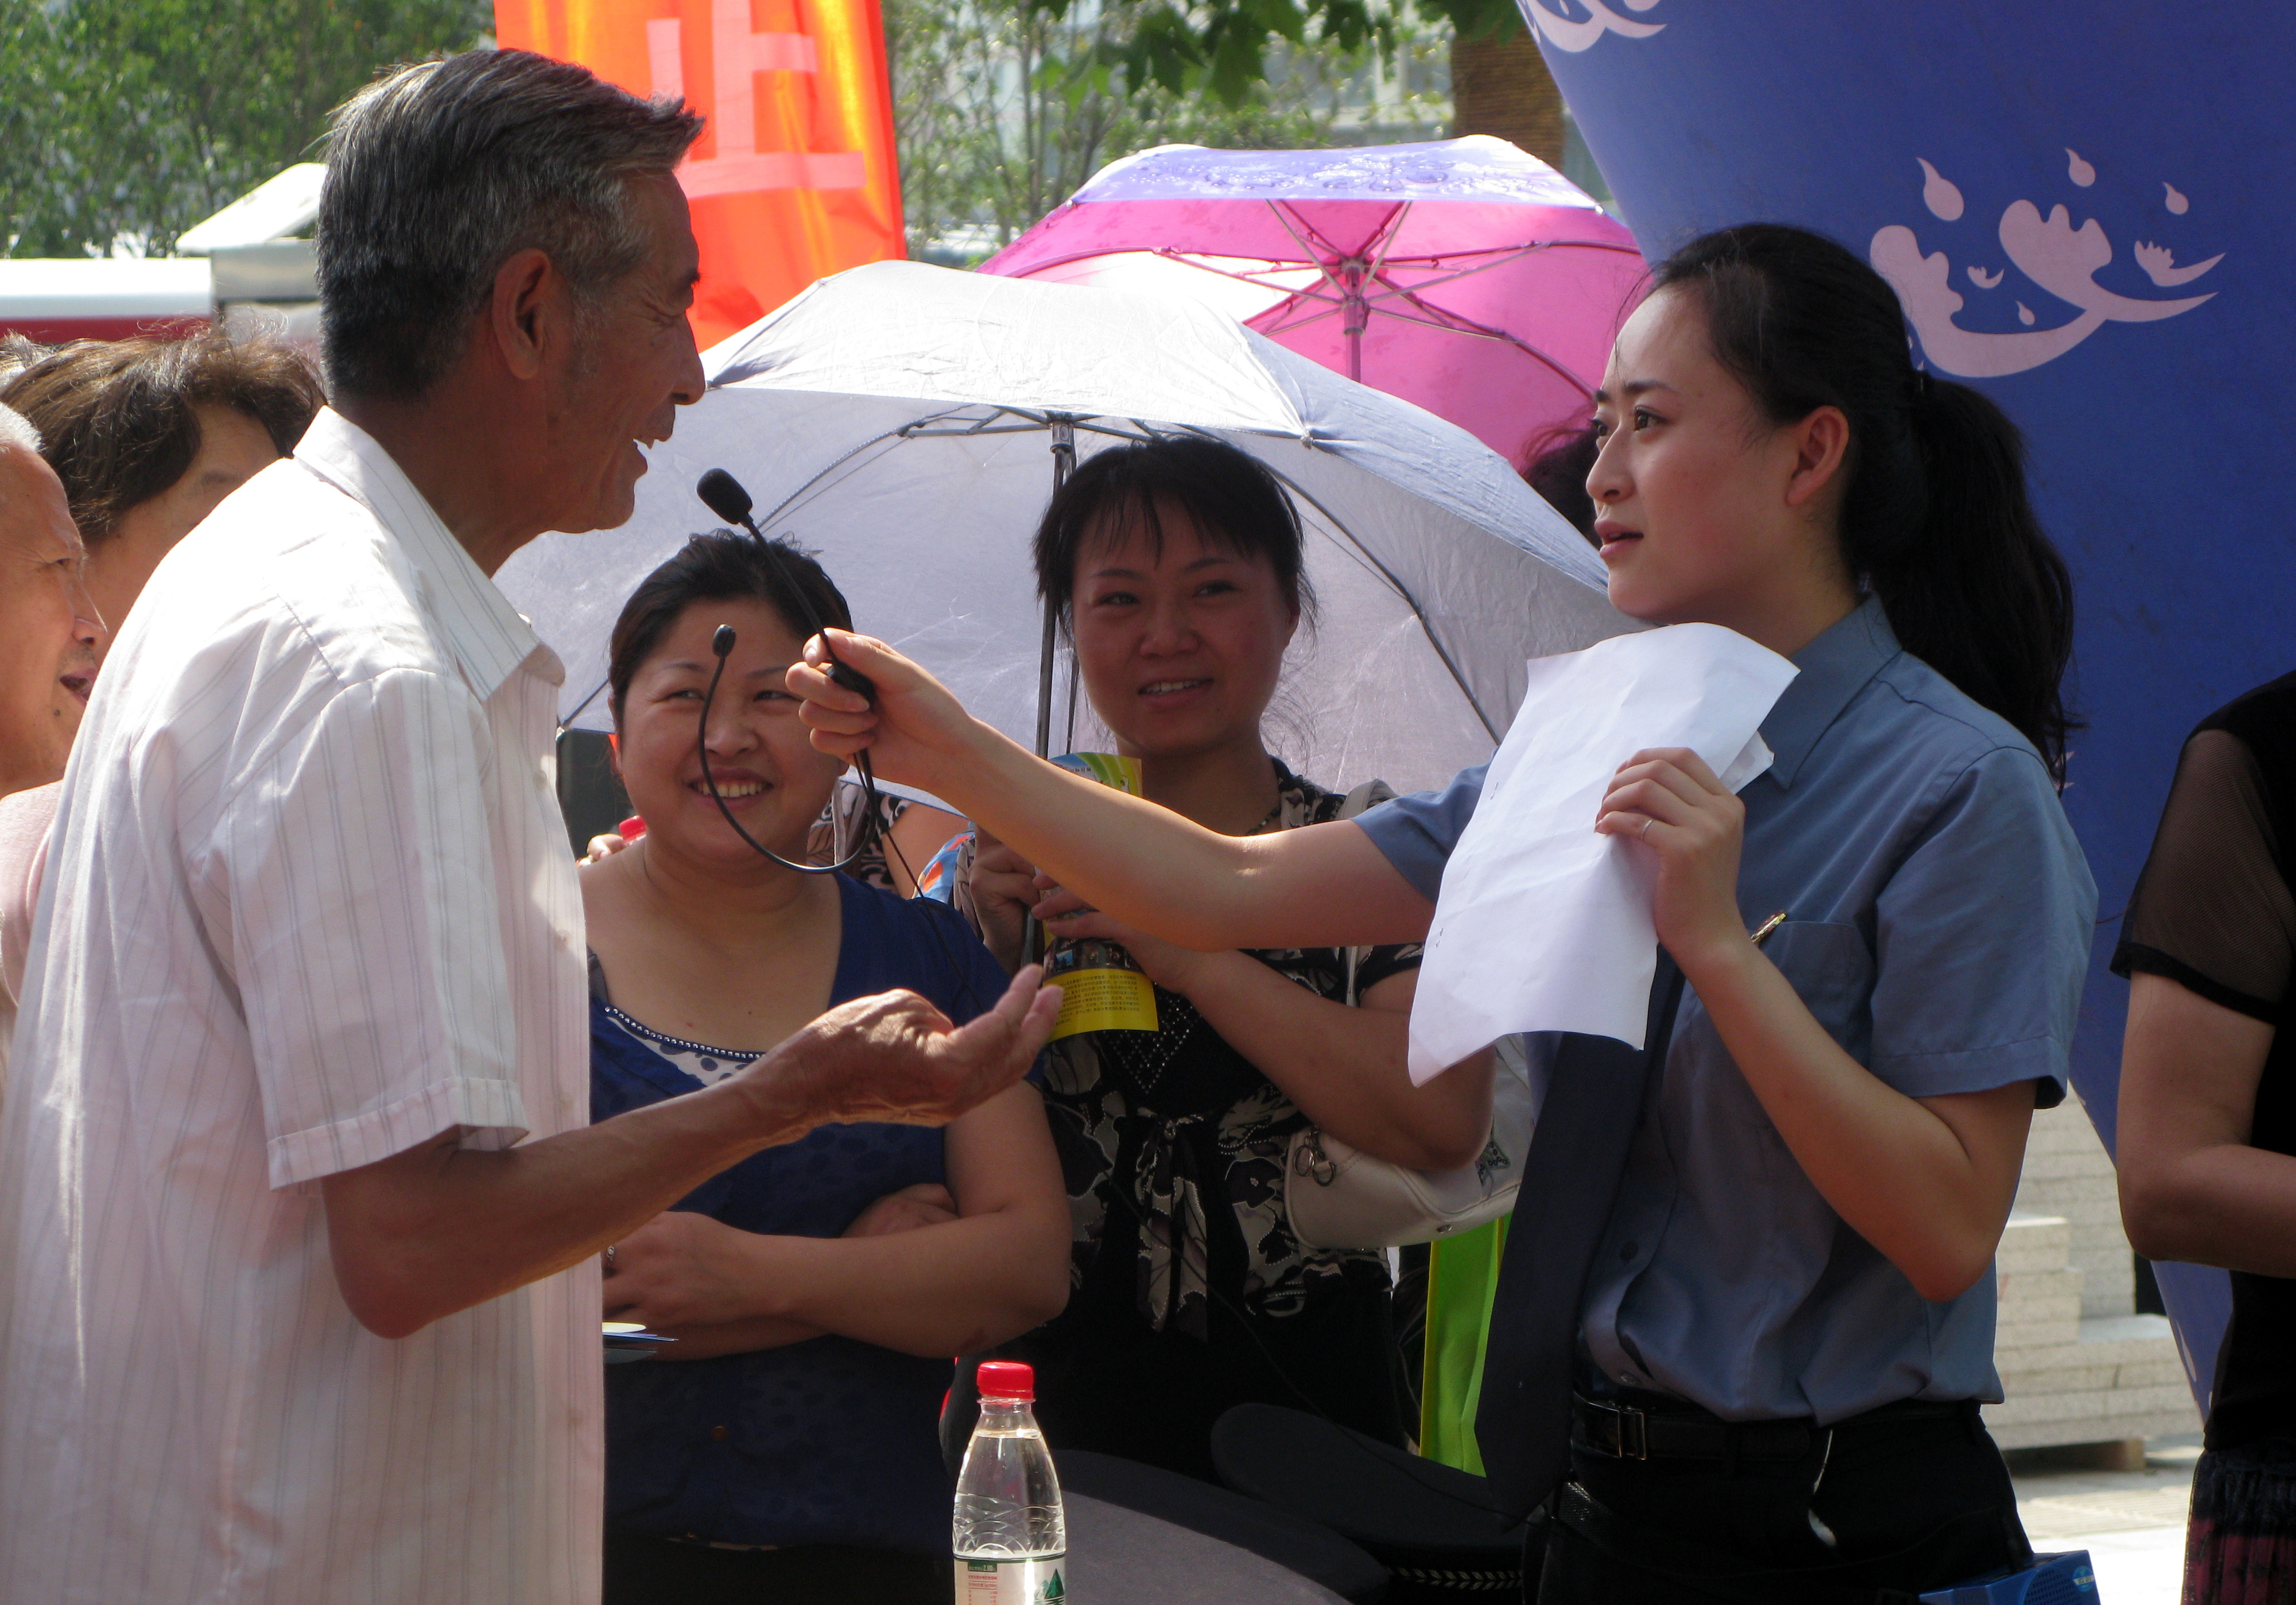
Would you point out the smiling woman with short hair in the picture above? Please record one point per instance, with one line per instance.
(786, 1445)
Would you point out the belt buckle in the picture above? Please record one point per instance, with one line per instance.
(1629, 1430)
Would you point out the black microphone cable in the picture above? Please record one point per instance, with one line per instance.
(724, 496)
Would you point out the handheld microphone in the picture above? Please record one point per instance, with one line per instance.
(723, 494)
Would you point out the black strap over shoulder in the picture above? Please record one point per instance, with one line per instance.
(1570, 1181)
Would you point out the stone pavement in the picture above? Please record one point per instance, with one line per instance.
(2132, 1522)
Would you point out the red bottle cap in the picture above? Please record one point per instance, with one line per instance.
(1007, 1379)
(632, 828)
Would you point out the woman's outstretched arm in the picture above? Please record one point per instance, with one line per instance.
(1322, 886)
(1343, 1065)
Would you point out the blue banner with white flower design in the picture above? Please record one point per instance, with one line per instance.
(2081, 207)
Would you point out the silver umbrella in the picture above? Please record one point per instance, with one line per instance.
(908, 424)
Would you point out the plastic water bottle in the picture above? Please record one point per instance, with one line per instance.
(1011, 1539)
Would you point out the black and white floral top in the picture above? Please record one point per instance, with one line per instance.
(1191, 1292)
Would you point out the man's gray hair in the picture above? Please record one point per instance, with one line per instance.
(438, 174)
(16, 429)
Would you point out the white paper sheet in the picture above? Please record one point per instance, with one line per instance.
(1541, 924)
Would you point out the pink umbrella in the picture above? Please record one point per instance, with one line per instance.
(1465, 276)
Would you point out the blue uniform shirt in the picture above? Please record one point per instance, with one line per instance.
(1938, 921)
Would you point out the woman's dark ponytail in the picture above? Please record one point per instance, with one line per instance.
(1935, 516)
(1979, 593)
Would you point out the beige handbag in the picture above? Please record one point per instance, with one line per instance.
(1340, 1197)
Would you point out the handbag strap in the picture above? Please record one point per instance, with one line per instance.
(1355, 804)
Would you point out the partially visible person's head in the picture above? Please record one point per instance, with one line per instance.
(1765, 429)
(148, 436)
(1177, 565)
(50, 629)
(1560, 462)
(17, 352)
(508, 210)
(659, 662)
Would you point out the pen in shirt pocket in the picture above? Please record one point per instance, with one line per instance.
(1761, 933)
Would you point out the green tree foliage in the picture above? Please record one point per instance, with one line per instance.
(1002, 108)
(127, 122)
(1222, 46)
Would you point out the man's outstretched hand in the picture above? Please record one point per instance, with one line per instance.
(439, 1227)
(896, 1058)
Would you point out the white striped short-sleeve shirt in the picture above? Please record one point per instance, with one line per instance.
(309, 903)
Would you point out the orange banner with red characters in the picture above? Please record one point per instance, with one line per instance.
(794, 177)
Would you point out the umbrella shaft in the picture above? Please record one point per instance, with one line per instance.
(1045, 682)
(1064, 465)
(1356, 313)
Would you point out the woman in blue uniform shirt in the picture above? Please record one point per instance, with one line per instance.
(1794, 1291)
(787, 1446)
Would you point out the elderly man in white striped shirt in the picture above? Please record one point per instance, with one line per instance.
(299, 1211)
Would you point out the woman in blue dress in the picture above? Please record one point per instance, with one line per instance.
(786, 1445)
(1773, 1381)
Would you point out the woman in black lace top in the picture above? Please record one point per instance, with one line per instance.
(2208, 1116)
(1175, 565)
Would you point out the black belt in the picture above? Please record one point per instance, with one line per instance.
(1684, 1432)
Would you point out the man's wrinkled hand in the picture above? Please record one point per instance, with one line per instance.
(895, 1058)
